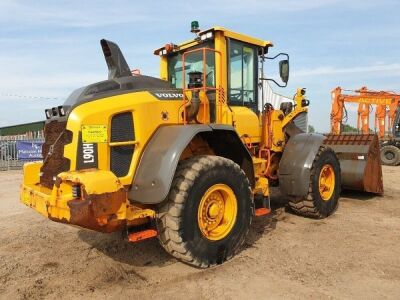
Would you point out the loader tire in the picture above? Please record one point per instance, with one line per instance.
(324, 188)
(390, 155)
(208, 212)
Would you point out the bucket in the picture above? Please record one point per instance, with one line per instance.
(360, 161)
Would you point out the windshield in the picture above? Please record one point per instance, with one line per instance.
(193, 63)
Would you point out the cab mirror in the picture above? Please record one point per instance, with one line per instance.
(284, 70)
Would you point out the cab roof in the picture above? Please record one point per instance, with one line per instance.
(227, 33)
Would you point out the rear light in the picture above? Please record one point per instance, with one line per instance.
(76, 191)
(48, 113)
(55, 111)
(61, 111)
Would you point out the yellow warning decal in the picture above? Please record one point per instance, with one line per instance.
(94, 134)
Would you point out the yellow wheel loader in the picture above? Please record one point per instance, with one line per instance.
(187, 158)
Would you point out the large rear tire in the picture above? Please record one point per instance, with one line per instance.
(324, 188)
(208, 212)
(390, 155)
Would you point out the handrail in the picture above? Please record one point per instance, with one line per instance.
(204, 88)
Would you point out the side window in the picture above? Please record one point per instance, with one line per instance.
(242, 81)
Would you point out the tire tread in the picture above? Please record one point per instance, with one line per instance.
(170, 213)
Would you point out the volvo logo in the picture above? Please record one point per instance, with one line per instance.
(167, 95)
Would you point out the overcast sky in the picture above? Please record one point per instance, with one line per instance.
(49, 48)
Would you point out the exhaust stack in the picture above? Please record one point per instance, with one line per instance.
(116, 63)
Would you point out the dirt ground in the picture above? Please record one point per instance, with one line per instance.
(353, 254)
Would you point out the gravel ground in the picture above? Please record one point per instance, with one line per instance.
(352, 254)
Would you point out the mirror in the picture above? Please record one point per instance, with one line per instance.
(284, 70)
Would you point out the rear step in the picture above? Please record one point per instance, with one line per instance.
(360, 161)
(262, 212)
(262, 206)
(142, 235)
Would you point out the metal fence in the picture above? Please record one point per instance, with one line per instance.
(9, 156)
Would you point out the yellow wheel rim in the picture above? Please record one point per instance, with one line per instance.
(217, 212)
(326, 182)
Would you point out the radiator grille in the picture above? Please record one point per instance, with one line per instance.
(122, 130)
(121, 157)
(56, 136)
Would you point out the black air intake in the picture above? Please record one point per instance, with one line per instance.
(116, 63)
(122, 130)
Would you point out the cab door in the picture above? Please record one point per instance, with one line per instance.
(242, 88)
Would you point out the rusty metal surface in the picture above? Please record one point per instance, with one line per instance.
(56, 136)
(98, 211)
(360, 161)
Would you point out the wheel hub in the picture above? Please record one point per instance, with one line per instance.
(326, 182)
(214, 210)
(389, 155)
(217, 212)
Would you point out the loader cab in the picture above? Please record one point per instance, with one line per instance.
(229, 65)
(233, 65)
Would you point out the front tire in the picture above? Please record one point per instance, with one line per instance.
(324, 188)
(208, 212)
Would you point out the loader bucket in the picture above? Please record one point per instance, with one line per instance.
(360, 161)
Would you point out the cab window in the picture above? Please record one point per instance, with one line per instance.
(242, 74)
(193, 63)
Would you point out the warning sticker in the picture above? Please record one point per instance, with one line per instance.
(94, 134)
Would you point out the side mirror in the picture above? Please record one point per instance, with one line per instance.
(284, 70)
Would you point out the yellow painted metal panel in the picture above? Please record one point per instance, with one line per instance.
(246, 123)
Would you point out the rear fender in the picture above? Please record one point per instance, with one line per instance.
(156, 169)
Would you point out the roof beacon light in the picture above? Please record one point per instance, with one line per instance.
(194, 27)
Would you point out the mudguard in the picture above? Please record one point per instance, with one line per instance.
(156, 169)
(296, 163)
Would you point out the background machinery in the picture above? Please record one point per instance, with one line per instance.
(188, 158)
(387, 118)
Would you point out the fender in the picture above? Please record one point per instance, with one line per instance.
(156, 169)
(296, 162)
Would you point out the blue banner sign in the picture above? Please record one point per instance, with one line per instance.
(29, 150)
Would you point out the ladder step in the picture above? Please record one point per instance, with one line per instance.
(142, 235)
(262, 211)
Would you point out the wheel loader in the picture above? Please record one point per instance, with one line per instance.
(188, 157)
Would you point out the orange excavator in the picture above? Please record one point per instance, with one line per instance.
(387, 118)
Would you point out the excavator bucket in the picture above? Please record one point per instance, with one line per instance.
(360, 161)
